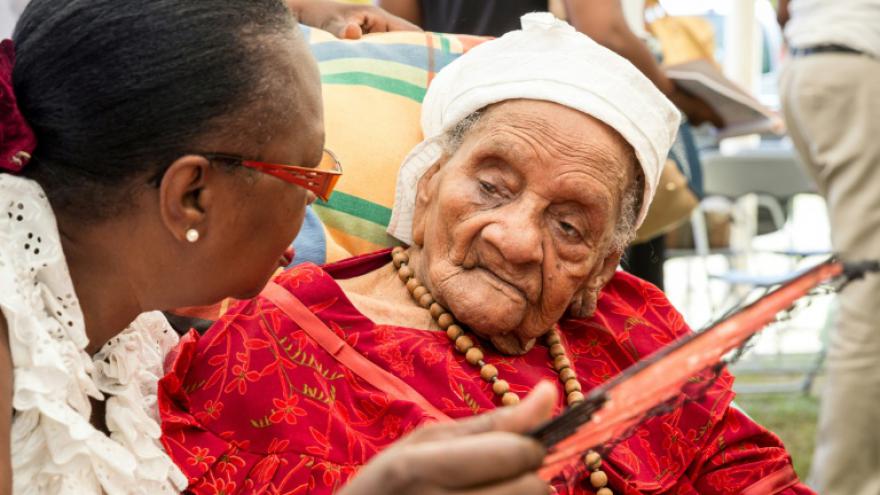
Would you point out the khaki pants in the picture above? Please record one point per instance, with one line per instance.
(832, 109)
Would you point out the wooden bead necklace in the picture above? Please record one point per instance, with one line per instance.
(474, 356)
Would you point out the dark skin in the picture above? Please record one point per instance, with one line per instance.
(514, 228)
(532, 213)
(140, 260)
(604, 21)
(347, 21)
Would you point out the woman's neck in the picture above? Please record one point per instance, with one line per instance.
(383, 298)
(104, 286)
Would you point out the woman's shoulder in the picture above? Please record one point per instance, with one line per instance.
(38, 297)
(54, 376)
(30, 246)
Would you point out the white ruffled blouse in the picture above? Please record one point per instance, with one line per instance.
(55, 448)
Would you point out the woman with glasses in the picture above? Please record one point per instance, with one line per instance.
(144, 145)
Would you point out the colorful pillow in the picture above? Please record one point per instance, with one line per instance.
(373, 90)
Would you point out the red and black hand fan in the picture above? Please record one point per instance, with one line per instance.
(614, 408)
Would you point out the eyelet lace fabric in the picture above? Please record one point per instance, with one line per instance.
(55, 448)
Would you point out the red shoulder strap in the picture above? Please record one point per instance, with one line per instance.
(344, 353)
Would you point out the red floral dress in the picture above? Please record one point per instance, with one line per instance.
(257, 406)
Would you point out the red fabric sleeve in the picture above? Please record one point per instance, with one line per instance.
(736, 455)
(744, 458)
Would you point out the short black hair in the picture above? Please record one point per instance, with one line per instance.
(117, 89)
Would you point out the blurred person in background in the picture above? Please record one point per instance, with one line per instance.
(830, 91)
(344, 21)
(615, 24)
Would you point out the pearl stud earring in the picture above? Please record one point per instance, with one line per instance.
(192, 235)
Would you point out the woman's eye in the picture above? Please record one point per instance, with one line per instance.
(488, 188)
(569, 229)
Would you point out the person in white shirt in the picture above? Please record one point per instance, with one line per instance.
(830, 91)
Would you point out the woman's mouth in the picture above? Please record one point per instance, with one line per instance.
(502, 285)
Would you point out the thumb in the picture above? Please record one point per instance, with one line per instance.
(351, 31)
(344, 28)
(536, 408)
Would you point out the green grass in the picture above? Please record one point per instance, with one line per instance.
(792, 417)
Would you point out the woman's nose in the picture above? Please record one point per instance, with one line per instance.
(517, 235)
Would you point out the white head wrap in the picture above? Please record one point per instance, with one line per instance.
(546, 60)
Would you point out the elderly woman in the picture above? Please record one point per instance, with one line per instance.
(541, 155)
(142, 143)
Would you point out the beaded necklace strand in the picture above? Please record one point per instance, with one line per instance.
(474, 356)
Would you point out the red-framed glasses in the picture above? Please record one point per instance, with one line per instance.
(320, 180)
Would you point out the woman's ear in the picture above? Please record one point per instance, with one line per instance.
(426, 191)
(184, 199)
(584, 302)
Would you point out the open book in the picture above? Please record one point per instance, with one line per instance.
(742, 113)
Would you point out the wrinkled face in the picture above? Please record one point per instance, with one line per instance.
(520, 220)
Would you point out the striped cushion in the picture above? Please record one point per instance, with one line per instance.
(373, 90)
